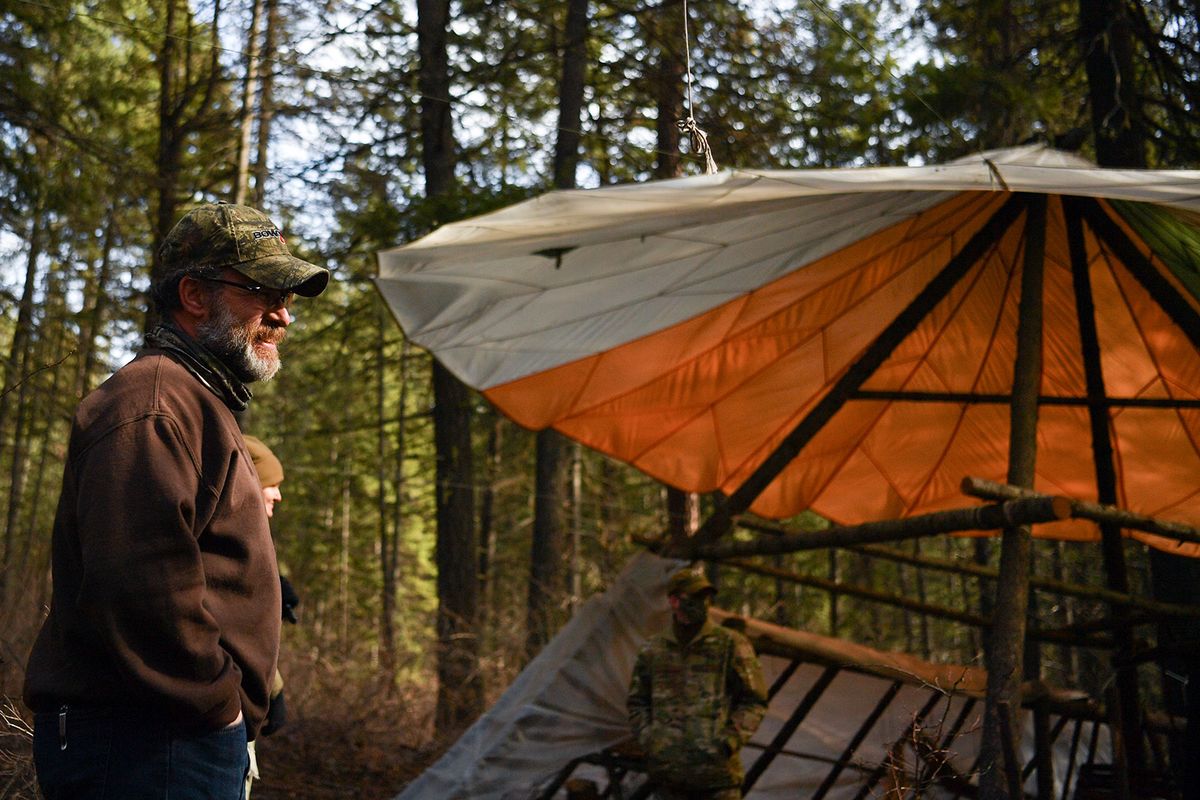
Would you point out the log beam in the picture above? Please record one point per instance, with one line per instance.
(1021, 511)
(1154, 610)
(1082, 509)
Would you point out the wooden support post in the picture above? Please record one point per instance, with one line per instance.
(1006, 651)
(1116, 727)
(1043, 742)
(1008, 743)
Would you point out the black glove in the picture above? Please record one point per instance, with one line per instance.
(276, 715)
(290, 600)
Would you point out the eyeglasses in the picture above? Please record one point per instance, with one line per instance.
(270, 299)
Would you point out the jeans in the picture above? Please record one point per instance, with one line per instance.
(110, 754)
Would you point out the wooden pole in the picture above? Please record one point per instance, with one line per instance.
(1023, 511)
(1081, 509)
(1112, 547)
(1155, 609)
(1012, 765)
(1043, 742)
(1005, 655)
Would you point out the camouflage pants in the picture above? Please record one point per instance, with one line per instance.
(698, 794)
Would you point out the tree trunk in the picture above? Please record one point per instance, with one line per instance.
(174, 125)
(547, 578)
(460, 691)
(170, 142)
(387, 604)
(922, 595)
(399, 484)
(487, 527)
(266, 104)
(576, 527)
(547, 584)
(1107, 48)
(16, 368)
(1106, 42)
(92, 321)
(570, 94)
(241, 173)
(666, 34)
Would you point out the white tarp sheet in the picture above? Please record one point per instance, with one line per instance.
(573, 273)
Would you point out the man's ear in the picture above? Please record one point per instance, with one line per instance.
(194, 298)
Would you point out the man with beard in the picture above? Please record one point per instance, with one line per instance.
(154, 666)
(696, 697)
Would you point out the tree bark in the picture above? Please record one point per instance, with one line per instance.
(487, 527)
(460, 690)
(16, 366)
(666, 36)
(241, 174)
(387, 605)
(175, 96)
(266, 104)
(547, 578)
(1106, 42)
(97, 305)
(570, 94)
(460, 694)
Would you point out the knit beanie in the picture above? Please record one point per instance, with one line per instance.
(270, 471)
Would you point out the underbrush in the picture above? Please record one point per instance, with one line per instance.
(344, 738)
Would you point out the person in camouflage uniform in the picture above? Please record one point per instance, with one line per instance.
(696, 696)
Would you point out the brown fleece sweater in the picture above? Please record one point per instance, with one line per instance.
(166, 593)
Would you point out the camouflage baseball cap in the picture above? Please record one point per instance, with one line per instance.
(222, 235)
(689, 581)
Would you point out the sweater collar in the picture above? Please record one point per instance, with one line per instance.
(202, 363)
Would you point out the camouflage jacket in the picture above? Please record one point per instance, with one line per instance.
(693, 706)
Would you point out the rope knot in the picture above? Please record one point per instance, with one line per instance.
(699, 143)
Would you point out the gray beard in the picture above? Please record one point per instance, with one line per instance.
(233, 343)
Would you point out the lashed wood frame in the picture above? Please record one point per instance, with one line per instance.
(1009, 618)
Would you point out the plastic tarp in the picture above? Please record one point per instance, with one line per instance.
(570, 702)
(686, 326)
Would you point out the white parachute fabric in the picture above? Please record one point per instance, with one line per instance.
(573, 273)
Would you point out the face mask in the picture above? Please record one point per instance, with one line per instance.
(693, 608)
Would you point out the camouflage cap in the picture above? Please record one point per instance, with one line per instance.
(689, 581)
(222, 235)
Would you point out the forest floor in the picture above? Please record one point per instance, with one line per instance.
(369, 749)
(322, 758)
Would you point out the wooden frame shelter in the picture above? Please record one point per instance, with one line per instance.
(938, 706)
(852, 342)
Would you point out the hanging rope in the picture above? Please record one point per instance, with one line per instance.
(688, 126)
